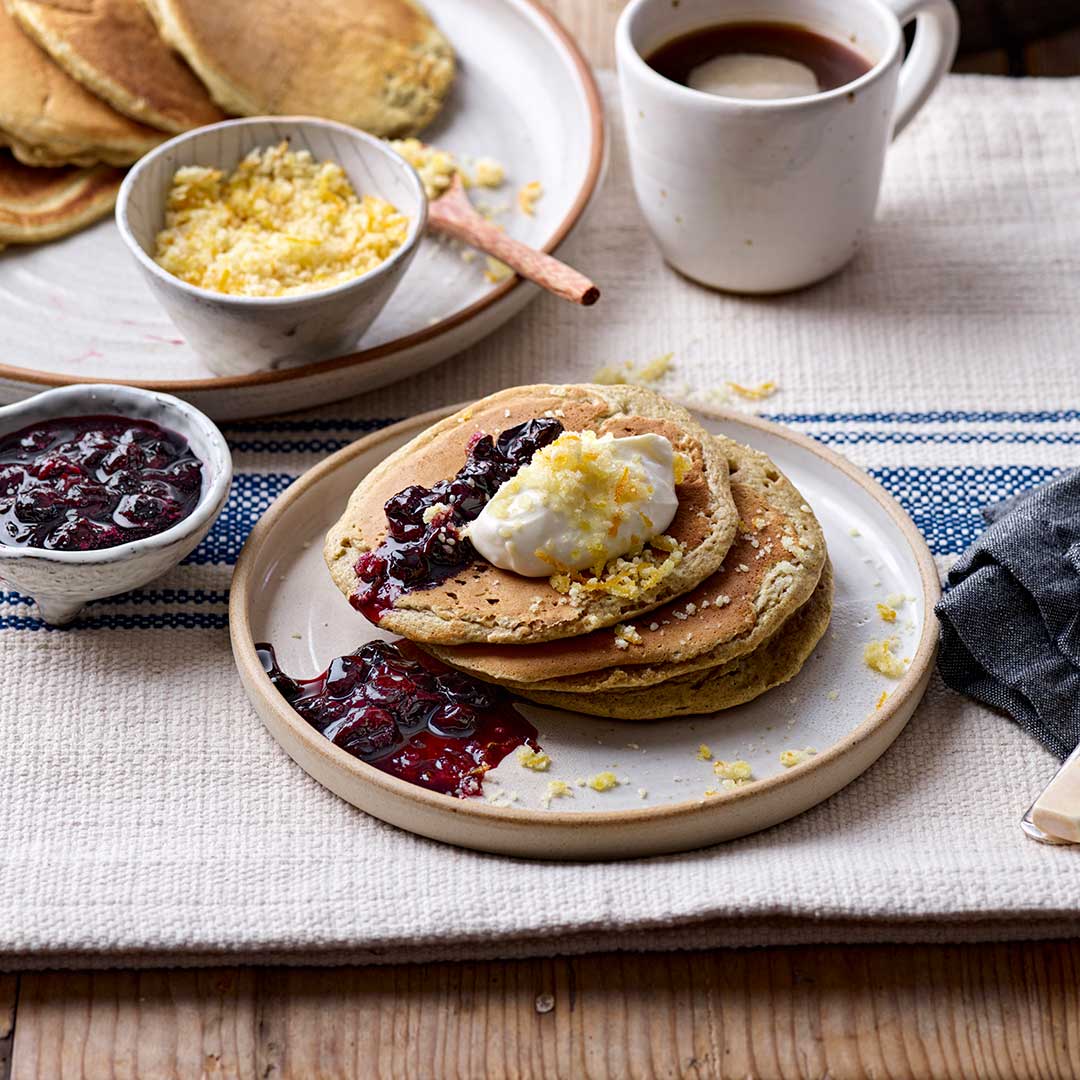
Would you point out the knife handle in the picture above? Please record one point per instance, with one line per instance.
(1054, 817)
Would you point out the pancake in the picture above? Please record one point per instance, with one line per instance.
(47, 118)
(485, 604)
(781, 548)
(380, 65)
(113, 48)
(774, 662)
(42, 204)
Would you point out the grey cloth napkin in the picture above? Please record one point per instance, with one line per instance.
(1010, 618)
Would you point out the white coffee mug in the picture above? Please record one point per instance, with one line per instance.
(760, 196)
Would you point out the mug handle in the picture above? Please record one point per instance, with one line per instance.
(937, 35)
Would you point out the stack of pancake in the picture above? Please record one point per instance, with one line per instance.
(743, 610)
(88, 86)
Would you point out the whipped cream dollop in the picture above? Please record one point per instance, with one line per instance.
(752, 75)
(581, 501)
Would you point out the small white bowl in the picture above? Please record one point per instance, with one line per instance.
(240, 335)
(63, 581)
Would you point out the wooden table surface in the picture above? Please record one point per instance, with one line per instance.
(990, 1011)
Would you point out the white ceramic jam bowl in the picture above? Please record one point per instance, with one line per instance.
(61, 582)
(241, 335)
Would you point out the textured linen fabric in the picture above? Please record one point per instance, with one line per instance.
(1010, 622)
(147, 816)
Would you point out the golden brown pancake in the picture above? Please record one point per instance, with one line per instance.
(771, 569)
(380, 65)
(486, 604)
(113, 48)
(47, 118)
(775, 661)
(43, 204)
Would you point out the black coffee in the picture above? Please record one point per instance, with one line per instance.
(693, 60)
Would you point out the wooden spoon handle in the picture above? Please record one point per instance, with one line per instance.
(453, 215)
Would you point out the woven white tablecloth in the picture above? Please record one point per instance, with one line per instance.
(147, 817)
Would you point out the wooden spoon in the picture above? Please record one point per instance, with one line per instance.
(453, 215)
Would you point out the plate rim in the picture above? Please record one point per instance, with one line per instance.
(255, 681)
(597, 141)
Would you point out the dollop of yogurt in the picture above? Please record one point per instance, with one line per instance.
(581, 501)
(752, 75)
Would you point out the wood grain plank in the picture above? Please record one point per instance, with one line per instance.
(9, 993)
(1056, 56)
(994, 1011)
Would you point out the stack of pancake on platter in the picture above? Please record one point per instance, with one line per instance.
(89, 86)
(731, 601)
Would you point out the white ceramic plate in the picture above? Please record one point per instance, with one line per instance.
(78, 309)
(282, 593)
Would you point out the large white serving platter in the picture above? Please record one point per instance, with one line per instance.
(78, 310)
(282, 593)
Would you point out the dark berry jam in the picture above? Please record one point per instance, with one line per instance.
(91, 482)
(418, 554)
(403, 712)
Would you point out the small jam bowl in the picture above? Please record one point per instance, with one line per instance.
(240, 335)
(63, 581)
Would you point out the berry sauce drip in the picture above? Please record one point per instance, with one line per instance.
(418, 554)
(89, 482)
(403, 712)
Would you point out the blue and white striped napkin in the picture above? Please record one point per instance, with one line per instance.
(148, 816)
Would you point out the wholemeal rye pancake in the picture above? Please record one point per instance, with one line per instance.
(47, 118)
(380, 65)
(43, 204)
(113, 48)
(775, 661)
(485, 604)
(771, 569)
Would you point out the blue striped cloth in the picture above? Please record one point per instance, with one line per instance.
(944, 500)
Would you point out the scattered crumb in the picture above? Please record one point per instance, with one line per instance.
(603, 781)
(626, 635)
(754, 393)
(496, 271)
(879, 657)
(791, 758)
(656, 369)
(530, 758)
(854, 532)
(433, 511)
(704, 753)
(642, 793)
(733, 773)
(834, 695)
(896, 600)
(556, 789)
(887, 612)
(881, 700)
(528, 196)
(722, 600)
(650, 372)
(489, 173)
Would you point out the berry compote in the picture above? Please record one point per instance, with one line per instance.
(419, 553)
(403, 712)
(89, 482)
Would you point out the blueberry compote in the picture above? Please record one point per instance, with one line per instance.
(408, 715)
(89, 482)
(417, 554)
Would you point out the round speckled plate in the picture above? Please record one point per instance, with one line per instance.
(282, 593)
(78, 310)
